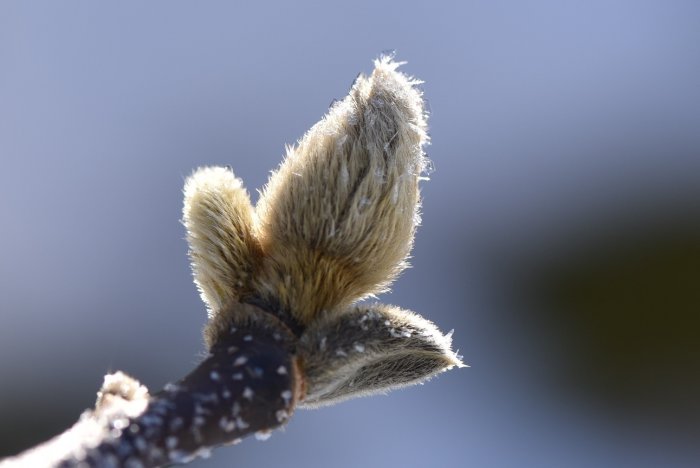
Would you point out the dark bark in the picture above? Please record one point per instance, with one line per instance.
(247, 384)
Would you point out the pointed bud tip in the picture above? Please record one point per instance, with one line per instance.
(386, 82)
(454, 358)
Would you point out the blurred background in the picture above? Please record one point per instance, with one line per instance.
(560, 237)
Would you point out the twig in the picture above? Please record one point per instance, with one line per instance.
(249, 383)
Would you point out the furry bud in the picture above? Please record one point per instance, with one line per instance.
(337, 219)
(369, 350)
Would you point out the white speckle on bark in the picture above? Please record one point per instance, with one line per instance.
(241, 423)
(179, 456)
(171, 442)
(226, 424)
(204, 452)
(248, 393)
(171, 387)
(120, 423)
(286, 395)
(282, 415)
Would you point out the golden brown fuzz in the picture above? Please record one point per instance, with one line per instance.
(336, 221)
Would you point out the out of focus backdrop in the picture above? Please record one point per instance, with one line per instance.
(560, 237)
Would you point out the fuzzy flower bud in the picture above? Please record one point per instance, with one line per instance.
(338, 217)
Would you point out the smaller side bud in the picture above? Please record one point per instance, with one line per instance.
(369, 350)
(219, 217)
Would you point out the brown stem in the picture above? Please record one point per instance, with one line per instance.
(247, 384)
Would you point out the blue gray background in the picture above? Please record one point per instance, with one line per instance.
(566, 144)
